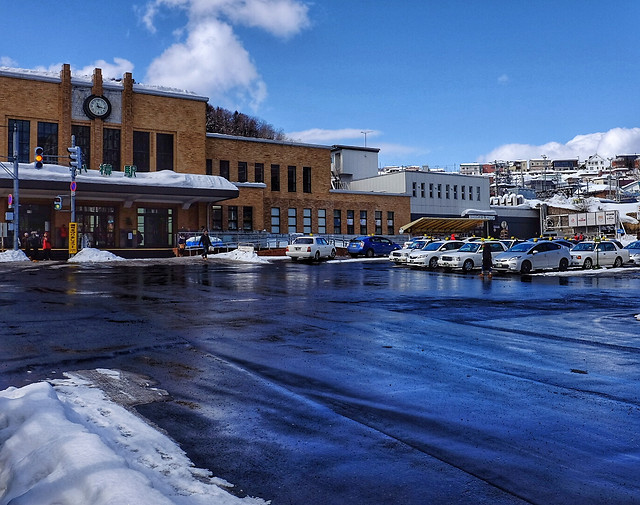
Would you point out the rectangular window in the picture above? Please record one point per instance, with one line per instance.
(440, 191)
(306, 179)
(422, 188)
(306, 220)
(259, 172)
(275, 177)
(447, 190)
(275, 220)
(247, 218)
(431, 190)
(164, 151)
(390, 222)
(111, 148)
(208, 167)
(378, 217)
(414, 189)
(455, 191)
(243, 175)
(363, 222)
(293, 221)
(478, 194)
(322, 221)
(337, 221)
(24, 154)
(142, 151)
(48, 140)
(232, 217)
(291, 179)
(83, 140)
(350, 225)
(216, 217)
(462, 192)
(224, 169)
(470, 192)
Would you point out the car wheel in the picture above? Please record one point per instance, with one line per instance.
(525, 268)
(316, 256)
(433, 263)
(333, 254)
(369, 253)
(587, 264)
(467, 266)
(564, 264)
(618, 262)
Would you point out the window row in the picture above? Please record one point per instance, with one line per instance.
(349, 226)
(446, 191)
(243, 175)
(111, 145)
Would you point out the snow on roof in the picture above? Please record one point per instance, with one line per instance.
(163, 178)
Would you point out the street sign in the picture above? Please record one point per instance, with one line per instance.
(73, 238)
(73, 186)
(10, 200)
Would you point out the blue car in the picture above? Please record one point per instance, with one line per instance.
(370, 246)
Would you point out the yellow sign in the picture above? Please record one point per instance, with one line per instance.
(73, 238)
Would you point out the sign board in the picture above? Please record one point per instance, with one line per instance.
(73, 238)
(611, 216)
(573, 220)
(10, 200)
(73, 186)
(8, 216)
(482, 216)
(591, 219)
(600, 218)
(582, 220)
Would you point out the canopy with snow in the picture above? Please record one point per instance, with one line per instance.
(437, 225)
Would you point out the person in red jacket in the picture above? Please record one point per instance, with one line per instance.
(46, 246)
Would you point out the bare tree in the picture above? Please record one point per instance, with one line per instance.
(224, 121)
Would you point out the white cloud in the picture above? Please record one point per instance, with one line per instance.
(322, 136)
(611, 143)
(113, 70)
(6, 61)
(211, 60)
(503, 79)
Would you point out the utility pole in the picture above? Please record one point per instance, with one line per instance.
(16, 191)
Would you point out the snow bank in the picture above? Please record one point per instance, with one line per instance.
(69, 444)
(13, 255)
(244, 256)
(92, 255)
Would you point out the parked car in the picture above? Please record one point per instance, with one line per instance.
(427, 257)
(510, 242)
(634, 252)
(401, 255)
(588, 253)
(469, 256)
(528, 256)
(312, 248)
(371, 245)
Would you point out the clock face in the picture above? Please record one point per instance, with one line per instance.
(97, 107)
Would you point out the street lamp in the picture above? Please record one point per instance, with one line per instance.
(364, 132)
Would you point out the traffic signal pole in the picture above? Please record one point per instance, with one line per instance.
(16, 192)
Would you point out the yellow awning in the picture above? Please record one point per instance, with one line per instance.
(441, 225)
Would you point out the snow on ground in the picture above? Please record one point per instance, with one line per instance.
(65, 442)
(92, 255)
(13, 255)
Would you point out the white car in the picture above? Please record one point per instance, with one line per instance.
(608, 253)
(528, 256)
(469, 256)
(310, 248)
(634, 252)
(400, 256)
(427, 257)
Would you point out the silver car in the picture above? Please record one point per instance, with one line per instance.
(528, 256)
(427, 257)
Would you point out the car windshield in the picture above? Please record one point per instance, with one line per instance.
(522, 247)
(433, 246)
(584, 246)
(470, 247)
(633, 245)
(418, 244)
(303, 241)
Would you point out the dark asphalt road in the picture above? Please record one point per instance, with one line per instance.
(357, 382)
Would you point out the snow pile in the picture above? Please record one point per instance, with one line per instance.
(637, 316)
(13, 255)
(92, 255)
(70, 444)
(242, 255)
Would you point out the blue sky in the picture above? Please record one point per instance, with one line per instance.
(433, 83)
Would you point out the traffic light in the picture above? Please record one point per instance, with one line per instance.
(75, 153)
(57, 203)
(38, 156)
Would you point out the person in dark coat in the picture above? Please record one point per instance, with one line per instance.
(487, 260)
(205, 242)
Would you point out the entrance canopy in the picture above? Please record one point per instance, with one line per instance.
(441, 225)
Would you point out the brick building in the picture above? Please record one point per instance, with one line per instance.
(243, 184)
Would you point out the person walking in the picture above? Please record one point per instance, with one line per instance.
(46, 246)
(205, 242)
(487, 261)
(26, 243)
